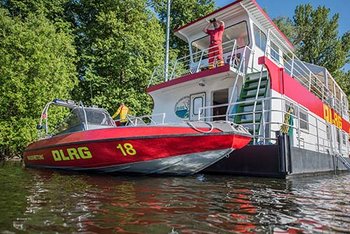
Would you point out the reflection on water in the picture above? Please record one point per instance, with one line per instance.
(47, 201)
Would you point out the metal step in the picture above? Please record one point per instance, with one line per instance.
(254, 87)
(344, 161)
(248, 121)
(249, 81)
(249, 104)
(260, 94)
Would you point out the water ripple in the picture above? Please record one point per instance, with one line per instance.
(44, 201)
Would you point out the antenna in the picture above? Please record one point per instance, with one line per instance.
(166, 65)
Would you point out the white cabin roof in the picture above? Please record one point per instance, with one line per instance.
(239, 7)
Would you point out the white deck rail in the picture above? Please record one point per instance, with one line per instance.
(320, 82)
(316, 137)
(195, 63)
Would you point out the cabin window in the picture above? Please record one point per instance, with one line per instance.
(197, 102)
(260, 38)
(304, 120)
(238, 31)
(329, 133)
(338, 136)
(275, 52)
(344, 138)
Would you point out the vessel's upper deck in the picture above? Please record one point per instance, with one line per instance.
(230, 14)
(249, 34)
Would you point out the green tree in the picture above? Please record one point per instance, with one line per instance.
(317, 38)
(182, 12)
(53, 10)
(36, 66)
(119, 43)
(286, 25)
(315, 34)
(343, 79)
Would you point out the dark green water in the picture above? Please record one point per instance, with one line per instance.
(42, 201)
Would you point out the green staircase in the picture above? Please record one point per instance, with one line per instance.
(243, 111)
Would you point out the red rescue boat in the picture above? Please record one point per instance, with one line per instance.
(89, 140)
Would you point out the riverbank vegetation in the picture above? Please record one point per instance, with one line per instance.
(104, 52)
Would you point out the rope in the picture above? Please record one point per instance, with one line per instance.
(198, 130)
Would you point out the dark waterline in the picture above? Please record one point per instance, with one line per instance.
(47, 201)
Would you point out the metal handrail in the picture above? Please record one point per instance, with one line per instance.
(133, 120)
(256, 97)
(191, 64)
(242, 62)
(311, 80)
(317, 129)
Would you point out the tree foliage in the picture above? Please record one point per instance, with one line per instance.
(286, 25)
(317, 37)
(36, 65)
(314, 32)
(182, 12)
(120, 42)
(109, 48)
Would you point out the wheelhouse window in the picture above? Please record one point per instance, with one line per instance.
(304, 120)
(260, 38)
(237, 32)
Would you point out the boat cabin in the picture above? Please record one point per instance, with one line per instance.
(262, 84)
(77, 118)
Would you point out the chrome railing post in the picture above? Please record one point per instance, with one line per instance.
(263, 120)
(85, 117)
(235, 84)
(200, 61)
(292, 67)
(267, 43)
(299, 145)
(253, 57)
(173, 71)
(310, 79)
(233, 51)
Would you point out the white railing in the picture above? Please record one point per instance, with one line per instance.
(195, 63)
(315, 137)
(242, 69)
(299, 71)
(146, 119)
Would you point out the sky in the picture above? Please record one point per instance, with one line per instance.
(277, 8)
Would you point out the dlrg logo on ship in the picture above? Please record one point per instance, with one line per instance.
(71, 154)
(332, 117)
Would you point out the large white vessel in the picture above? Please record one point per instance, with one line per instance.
(262, 86)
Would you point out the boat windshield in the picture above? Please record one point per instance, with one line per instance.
(80, 119)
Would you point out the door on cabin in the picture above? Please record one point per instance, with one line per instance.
(197, 102)
(220, 97)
